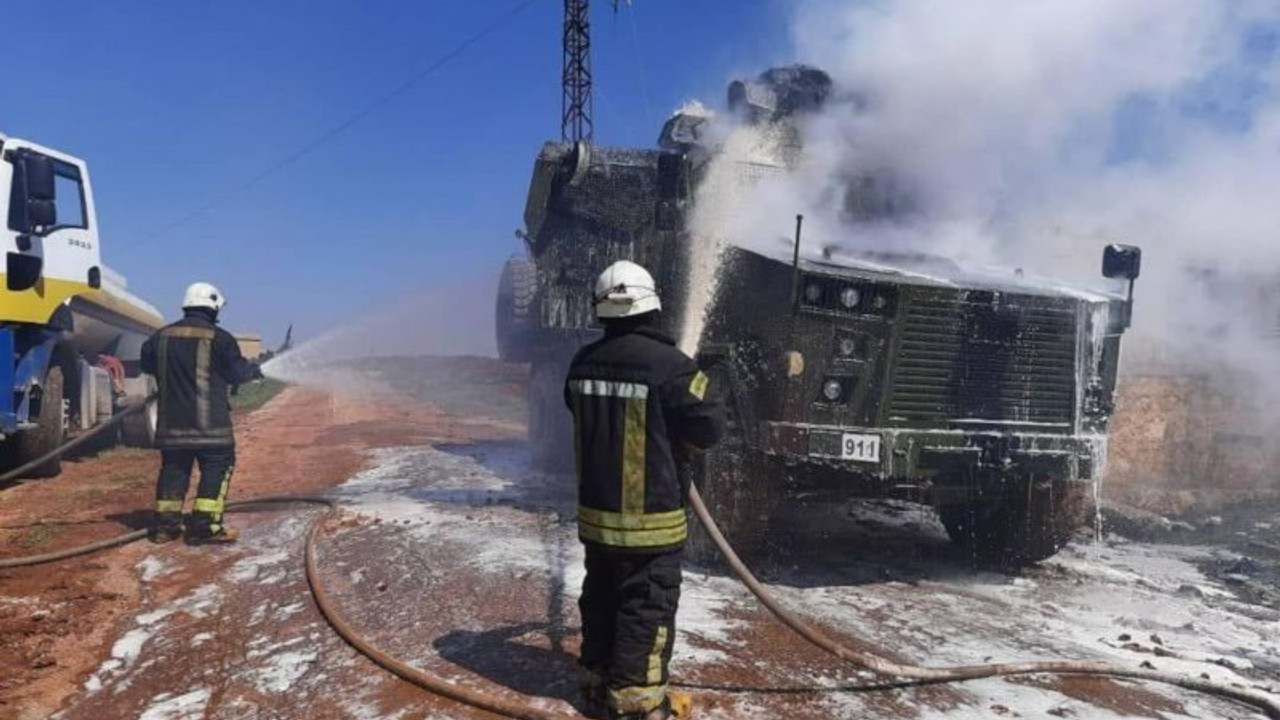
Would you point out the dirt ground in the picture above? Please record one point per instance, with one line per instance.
(58, 622)
(456, 557)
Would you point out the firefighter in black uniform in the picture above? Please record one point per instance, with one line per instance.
(640, 406)
(196, 364)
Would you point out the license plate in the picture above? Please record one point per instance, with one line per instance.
(860, 448)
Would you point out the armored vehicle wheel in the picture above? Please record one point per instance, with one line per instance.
(550, 424)
(1022, 523)
(741, 490)
(514, 312)
(28, 445)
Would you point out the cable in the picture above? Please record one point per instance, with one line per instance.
(72, 552)
(136, 535)
(333, 132)
(61, 450)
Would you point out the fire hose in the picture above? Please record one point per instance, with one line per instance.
(901, 674)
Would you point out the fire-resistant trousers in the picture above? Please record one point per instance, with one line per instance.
(628, 607)
(216, 467)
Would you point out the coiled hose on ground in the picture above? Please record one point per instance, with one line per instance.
(902, 675)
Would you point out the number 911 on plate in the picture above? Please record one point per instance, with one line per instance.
(860, 448)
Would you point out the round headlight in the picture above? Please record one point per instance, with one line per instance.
(812, 293)
(849, 297)
(832, 390)
(848, 346)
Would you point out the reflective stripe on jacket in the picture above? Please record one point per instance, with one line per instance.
(636, 402)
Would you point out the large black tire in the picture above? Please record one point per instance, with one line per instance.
(1020, 523)
(28, 445)
(514, 318)
(741, 489)
(550, 423)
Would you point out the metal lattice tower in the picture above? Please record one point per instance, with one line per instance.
(575, 107)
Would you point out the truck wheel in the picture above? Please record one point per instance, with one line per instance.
(139, 430)
(550, 423)
(28, 445)
(514, 313)
(1020, 524)
(741, 489)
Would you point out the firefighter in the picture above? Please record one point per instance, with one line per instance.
(196, 365)
(640, 408)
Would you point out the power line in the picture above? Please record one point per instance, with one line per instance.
(639, 63)
(324, 138)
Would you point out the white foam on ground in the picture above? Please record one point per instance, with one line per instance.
(127, 648)
(151, 568)
(511, 520)
(283, 670)
(1076, 606)
(287, 611)
(250, 567)
(189, 706)
(506, 541)
(197, 603)
(156, 616)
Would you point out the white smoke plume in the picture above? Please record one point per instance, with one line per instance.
(1032, 133)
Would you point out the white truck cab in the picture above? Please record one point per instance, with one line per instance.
(67, 323)
(50, 235)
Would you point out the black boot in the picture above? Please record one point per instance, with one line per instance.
(166, 527)
(593, 694)
(203, 530)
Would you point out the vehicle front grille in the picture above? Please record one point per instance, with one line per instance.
(985, 356)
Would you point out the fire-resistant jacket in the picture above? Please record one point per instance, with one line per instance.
(195, 364)
(638, 403)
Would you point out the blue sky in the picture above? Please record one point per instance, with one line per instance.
(175, 103)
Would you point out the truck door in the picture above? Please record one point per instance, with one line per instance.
(52, 249)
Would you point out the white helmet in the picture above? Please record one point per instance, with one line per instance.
(203, 295)
(625, 289)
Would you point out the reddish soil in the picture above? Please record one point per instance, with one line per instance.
(461, 562)
(58, 622)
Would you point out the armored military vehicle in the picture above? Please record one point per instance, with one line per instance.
(860, 373)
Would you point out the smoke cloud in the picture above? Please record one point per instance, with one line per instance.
(1031, 134)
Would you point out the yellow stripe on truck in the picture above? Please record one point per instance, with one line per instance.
(37, 304)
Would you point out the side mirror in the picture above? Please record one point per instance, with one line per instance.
(41, 214)
(32, 203)
(38, 172)
(1122, 261)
